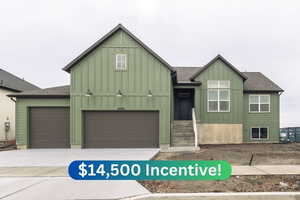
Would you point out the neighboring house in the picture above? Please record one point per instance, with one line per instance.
(8, 84)
(123, 95)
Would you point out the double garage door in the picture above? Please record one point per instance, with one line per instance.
(49, 128)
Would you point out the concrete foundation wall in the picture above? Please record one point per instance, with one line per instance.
(220, 133)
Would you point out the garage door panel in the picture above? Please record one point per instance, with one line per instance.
(121, 129)
(49, 127)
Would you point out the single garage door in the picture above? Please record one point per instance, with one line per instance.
(49, 127)
(121, 129)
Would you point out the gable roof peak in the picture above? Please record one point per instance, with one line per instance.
(218, 57)
(106, 36)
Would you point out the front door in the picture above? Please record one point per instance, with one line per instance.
(184, 102)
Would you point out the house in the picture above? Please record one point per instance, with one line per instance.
(9, 83)
(124, 95)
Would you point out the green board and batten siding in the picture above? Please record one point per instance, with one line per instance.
(239, 106)
(219, 71)
(22, 114)
(268, 120)
(97, 72)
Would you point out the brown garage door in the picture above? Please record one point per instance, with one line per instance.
(121, 129)
(49, 128)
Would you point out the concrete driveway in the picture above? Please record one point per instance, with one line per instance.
(63, 157)
(22, 174)
(64, 188)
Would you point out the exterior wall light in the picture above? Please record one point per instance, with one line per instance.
(150, 94)
(119, 94)
(88, 93)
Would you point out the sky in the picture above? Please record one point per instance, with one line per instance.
(38, 38)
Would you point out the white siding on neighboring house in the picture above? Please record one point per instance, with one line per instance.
(7, 110)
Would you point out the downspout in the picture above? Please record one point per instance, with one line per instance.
(14, 100)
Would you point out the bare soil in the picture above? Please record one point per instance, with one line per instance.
(240, 154)
(286, 183)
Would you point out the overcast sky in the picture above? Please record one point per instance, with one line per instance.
(38, 38)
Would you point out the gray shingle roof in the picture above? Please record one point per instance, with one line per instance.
(258, 82)
(12, 82)
(60, 91)
(185, 73)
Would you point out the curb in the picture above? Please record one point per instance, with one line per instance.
(228, 194)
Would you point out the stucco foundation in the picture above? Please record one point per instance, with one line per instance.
(21, 147)
(220, 133)
(74, 146)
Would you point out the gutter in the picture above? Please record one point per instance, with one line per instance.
(39, 96)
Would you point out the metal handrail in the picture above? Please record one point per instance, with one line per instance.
(195, 126)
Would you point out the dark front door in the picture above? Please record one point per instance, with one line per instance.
(184, 102)
(121, 129)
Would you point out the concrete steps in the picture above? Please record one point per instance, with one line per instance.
(182, 134)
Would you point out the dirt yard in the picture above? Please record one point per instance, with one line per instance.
(240, 154)
(277, 183)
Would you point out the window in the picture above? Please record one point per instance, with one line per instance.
(218, 94)
(259, 103)
(121, 61)
(259, 133)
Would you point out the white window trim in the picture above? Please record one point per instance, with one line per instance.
(268, 133)
(218, 100)
(259, 111)
(125, 67)
(219, 81)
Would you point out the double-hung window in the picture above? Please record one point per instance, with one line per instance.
(259, 103)
(259, 133)
(218, 94)
(121, 61)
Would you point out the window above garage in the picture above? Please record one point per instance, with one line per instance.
(121, 62)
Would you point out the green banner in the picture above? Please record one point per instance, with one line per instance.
(149, 170)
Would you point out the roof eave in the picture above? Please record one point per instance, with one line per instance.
(263, 91)
(38, 96)
(8, 88)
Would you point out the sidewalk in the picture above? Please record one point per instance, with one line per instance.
(23, 182)
(63, 172)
